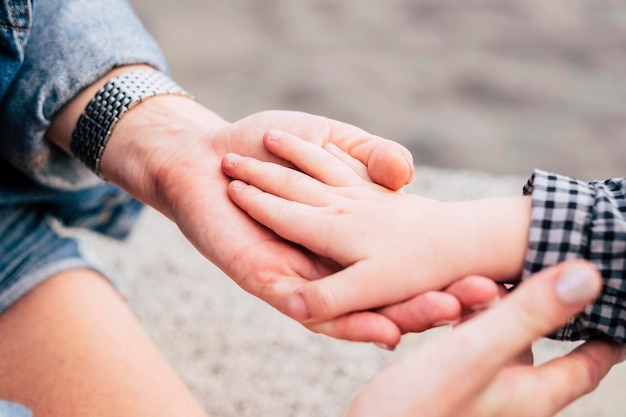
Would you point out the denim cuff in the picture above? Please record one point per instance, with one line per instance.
(72, 44)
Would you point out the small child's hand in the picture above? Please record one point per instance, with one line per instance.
(392, 245)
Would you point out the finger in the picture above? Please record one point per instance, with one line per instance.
(538, 306)
(388, 163)
(361, 327)
(466, 360)
(311, 159)
(583, 369)
(475, 293)
(424, 311)
(274, 284)
(278, 180)
(487, 343)
(350, 289)
(282, 216)
(356, 165)
(435, 308)
(278, 269)
(391, 165)
(341, 293)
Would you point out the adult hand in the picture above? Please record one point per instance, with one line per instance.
(167, 152)
(391, 245)
(475, 370)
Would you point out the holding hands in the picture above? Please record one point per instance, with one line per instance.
(390, 245)
(338, 213)
(167, 152)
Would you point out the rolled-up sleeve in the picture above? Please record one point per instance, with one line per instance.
(573, 219)
(72, 44)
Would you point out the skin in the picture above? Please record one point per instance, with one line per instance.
(63, 357)
(167, 153)
(375, 233)
(372, 231)
(432, 381)
(75, 360)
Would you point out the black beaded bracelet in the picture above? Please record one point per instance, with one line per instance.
(111, 102)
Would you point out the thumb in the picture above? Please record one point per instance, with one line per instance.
(446, 372)
(388, 163)
(538, 306)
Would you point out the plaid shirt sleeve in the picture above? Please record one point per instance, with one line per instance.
(572, 219)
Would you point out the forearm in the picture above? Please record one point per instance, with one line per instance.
(141, 154)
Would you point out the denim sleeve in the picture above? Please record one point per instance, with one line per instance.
(72, 44)
(15, 23)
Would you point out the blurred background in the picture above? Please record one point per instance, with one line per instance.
(496, 86)
(487, 85)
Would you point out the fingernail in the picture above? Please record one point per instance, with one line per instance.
(231, 159)
(275, 135)
(384, 346)
(238, 185)
(411, 168)
(576, 285)
(297, 308)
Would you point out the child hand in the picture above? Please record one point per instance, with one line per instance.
(392, 245)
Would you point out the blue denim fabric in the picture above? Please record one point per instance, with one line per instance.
(36, 245)
(15, 23)
(54, 51)
(48, 54)
(13, 410)
(49, 51)
(72, 43)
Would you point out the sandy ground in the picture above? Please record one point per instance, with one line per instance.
(498, 87)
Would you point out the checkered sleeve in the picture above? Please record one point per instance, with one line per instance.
(572, 219)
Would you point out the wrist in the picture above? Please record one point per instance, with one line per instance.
(134, 150)
(147, 146)
(109, 105)
(64, 121)
(499, 239)
(145, 135)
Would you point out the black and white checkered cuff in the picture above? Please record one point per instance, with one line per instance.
(572, 219)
